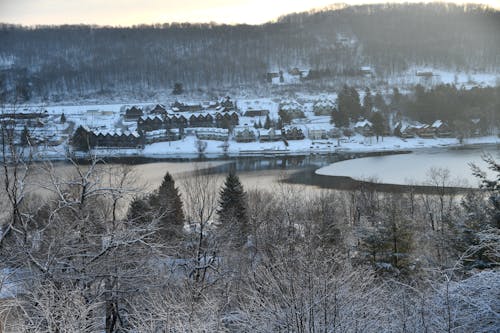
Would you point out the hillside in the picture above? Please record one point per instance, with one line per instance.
(53, 62)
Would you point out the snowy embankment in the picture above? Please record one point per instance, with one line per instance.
(187, 147)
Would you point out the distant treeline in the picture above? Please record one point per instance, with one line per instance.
(59, 60)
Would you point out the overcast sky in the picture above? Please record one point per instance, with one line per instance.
(130, 12)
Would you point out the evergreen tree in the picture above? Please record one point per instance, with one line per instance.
(139, 211)
(379, 102)
(367, 102)
(339, 118)
(348, 103)
(63, 118)
(169, 204)
(232, 209)
(178, 88)
(378, 122)
(396, 98)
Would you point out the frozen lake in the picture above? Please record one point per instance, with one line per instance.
(413, 168)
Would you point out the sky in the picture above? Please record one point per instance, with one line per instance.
(131, 12)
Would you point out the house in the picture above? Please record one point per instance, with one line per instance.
(425, 74)
(293, 132)
(266, 135)
(426, 132)
(212, 133)
(150, 123)
(319, 131)
(289, 110)
(133, 114)
(272, 75)
(256, 113)
(364, 128)
(244, 134)
(226, 119)
(441, 129)
(323, 107)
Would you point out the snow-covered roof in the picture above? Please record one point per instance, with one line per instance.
(211, 130)
(151, 117)
(363, 123)
(437, 124)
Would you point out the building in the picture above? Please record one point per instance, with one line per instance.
(441, 129)
(364, 128)
(244, 134)
(133, 114)
(293, 132)
(226, 119)
(150, 123)
(212, 133)
(319, 131)
(323, 107)
(267, 135)
(256, 113)
(201, 120)
(84, 138)
(162, 135)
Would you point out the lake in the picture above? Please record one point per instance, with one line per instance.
(414, 168)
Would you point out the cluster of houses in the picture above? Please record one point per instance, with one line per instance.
(437, 129)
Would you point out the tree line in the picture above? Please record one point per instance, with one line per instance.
(51, 62)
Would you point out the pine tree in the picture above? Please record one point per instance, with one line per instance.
(139, 211)
(367, 102)
(169, 204)
(232, 209)
(339, 118)
(63, 118)
(378, 122)
(178, 88)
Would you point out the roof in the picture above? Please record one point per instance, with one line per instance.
(363, 123)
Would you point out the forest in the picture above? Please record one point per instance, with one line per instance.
(53, 62)
(85, 248)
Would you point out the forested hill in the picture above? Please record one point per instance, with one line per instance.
(80, 59)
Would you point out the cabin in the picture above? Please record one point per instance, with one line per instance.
(273, 75)
(133, 114)
(150, 123)
(244, 134)
(323, 107)
(364, 128)
(441, 129)
(256, 113)
(212, 133)
(426, 132)
(366, 71)
(293, 132)
(226, 119)
(268, 135)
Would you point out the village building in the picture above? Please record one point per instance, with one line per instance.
(244, 134)
(201, 120)
(293, 132)
(212, 133)
(159, 109)
(267, 135)
(256, 113)
(441, 129)
(133, 114)
(289, 110)
(162, 135)
(323, 107)
(175, 121)
(182, 107)
(226, 119)
(364, 127)
(150, 123)
(87, 138)
(319, 131)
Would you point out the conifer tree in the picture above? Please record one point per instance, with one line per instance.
(367, 102)
(232, 209)
(63, 118)
(168, 201)
(25, 137)
(267, 123)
